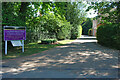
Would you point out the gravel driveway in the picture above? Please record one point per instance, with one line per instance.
(83, 58)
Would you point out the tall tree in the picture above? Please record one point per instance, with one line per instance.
(23, 10)
(75, 14)
(109, 9)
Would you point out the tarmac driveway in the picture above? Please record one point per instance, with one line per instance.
(83, 58)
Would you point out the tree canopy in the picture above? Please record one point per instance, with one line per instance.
(45, 19)
(109, 9)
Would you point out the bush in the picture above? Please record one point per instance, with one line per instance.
(76, 31)
(48, 41)
(48, 26)
(109, 35)
(65, 31)
(79, 31)
(90, 32)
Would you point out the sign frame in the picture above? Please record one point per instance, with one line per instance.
(14, 31)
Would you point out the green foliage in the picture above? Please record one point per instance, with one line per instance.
(10, 13)
(79, 31)
(48, 26)
(60, 8)
(65, 31)
(31, 48)
(42, 27)
(109, 35)
(86, 26)
(90, 32)
(44, 20)
(75, 15)
(76, 32)
(111, 9)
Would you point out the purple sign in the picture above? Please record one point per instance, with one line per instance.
(14, 34)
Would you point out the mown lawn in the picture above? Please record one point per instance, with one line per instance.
(32, 48)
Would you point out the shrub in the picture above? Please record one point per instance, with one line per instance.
(48, 41)
(48, 26)
(76, 31)
(109, 35)
(90, 32)
(79, 31)
(65, 31)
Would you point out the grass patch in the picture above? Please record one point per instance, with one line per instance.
(65, 41)
(31, 48)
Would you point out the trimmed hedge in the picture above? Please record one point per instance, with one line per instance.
(109, 35)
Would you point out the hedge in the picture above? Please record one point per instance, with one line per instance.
(109, 35)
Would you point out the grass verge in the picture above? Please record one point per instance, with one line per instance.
(32, 48)
(65, 41)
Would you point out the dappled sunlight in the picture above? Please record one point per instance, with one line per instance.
(91, 72)
(84, 41)
(40, 58)
(62, 46)
(1, 72)
(11, 56)
(50, 60)
(79, 58)
(75, 58)
(69, 62)
(102, 56)
(26, 66)
(65, 41)
(113, 66)
(72, 57)
(19, 70)
(35, 47)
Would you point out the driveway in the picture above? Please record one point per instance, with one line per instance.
(83, 58)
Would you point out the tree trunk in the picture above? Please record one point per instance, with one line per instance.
(23, 10)
(118, 10)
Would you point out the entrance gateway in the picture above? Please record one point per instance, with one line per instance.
(15, 34)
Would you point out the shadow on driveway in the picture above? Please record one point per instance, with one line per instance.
(80, 59)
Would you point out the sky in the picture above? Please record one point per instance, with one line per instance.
(91, 13)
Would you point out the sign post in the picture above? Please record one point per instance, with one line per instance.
(14, 34)
(22, 45)
(6, 47)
